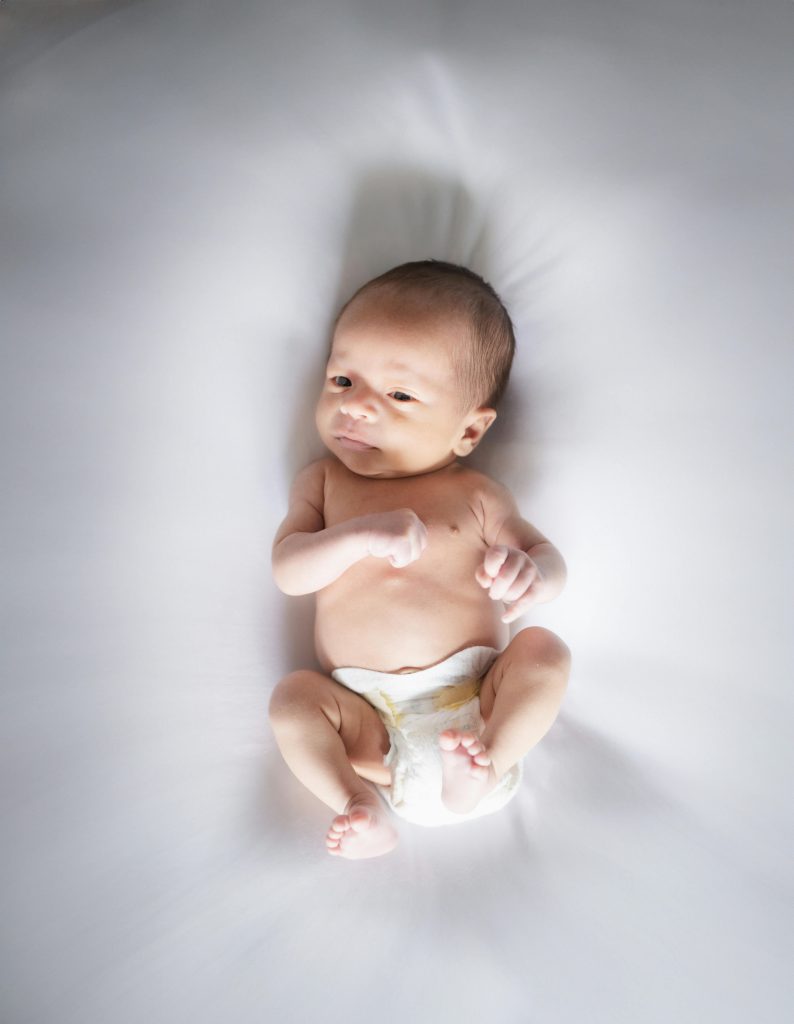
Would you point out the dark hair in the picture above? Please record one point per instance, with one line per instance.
(483, 366)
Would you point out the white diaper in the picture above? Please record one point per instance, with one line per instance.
(415, 707)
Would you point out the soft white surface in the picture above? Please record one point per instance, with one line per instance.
(188, 191)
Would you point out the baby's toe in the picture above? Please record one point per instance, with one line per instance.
(360, 819)
(338, 828)
(449, 739)
(475, 748)
(333, 837)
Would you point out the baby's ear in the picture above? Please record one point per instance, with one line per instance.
(474, 428)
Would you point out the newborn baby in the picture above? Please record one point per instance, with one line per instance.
(419, 564)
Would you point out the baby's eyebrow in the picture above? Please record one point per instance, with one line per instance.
(402, 368)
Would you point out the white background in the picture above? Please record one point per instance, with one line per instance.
(188, 192)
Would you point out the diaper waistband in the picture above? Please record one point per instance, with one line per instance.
(448, 684)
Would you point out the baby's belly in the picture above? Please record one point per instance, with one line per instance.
(390, 619)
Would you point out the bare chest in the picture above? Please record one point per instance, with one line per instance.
(445, 501)
(379, 616)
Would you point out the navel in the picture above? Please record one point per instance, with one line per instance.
(453, 528)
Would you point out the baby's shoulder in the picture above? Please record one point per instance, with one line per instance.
(309, 483)
(484, 488)
(488, 499)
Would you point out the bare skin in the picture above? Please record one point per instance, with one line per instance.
(413, 557)
(362, 831)
(468, 774)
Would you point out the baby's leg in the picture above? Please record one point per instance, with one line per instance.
(519, 699)
(332, 740)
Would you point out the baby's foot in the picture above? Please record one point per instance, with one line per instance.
(467, 771)
(364, 830)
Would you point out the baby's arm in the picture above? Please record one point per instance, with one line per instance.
(521, 567)
(307, 556)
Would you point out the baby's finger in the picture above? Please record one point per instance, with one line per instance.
(482, 577)
(521, 607)
(521, 583)
(495, 558)
(506, 578)
(402, 554)
(419, 535)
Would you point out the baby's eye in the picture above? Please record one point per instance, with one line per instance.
(401, 396)
(341, 382)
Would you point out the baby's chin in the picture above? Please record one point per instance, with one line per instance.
(365, 464)
(378, 464)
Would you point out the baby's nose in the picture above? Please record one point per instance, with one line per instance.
(357, 402)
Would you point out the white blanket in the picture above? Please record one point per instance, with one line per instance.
(188, 191)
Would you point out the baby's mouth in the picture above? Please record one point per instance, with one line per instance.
(354, 444)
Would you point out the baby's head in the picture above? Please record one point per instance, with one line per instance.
(419, 359)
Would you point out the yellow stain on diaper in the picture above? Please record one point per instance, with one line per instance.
(453, 697)
(448, 698)
(391, 707)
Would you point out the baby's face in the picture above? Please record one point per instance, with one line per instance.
(391, 404)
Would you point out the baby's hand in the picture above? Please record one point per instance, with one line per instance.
(510, 575)
(400, 536)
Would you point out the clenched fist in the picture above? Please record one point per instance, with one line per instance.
(510, 575)
(400, 536)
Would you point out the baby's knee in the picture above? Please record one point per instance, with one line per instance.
(296, 694)
(542, 647)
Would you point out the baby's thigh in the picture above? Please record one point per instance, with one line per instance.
(532, 654)
(303, 693)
